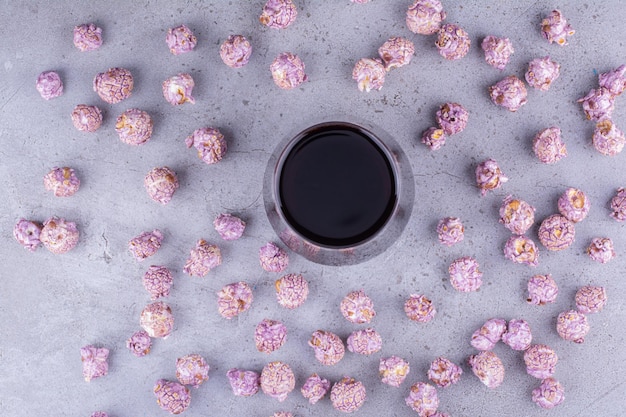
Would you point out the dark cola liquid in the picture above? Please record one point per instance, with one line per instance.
(336, 185)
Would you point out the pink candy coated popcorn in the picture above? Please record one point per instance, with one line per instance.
(180, 40)
(348, 395)
(498, 51)
(509, 93)
(63, 182)
(27, 234)
(202, 258)
(210, 144)
(146, 244)
(236, 51)
(233, 299)
(369, 74)
(423, 399)
(277, 380)
(278, 14)
(555, 28)
(49, 85)
(288, 71)
(94, 361)
(114, 85)
(87, 37)
(86, 118)
(357, 307)
(178, 88)
(393, 370)
(315, 388)
(424, 17)
(172, 396)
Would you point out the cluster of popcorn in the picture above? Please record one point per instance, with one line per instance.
(369, 73)
(451, 119)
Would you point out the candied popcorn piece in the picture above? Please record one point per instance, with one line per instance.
(94, 361)
(192, 370)
(328, 347)
(172, 396)
(139, 343)
(27, 233)
(180, 40)
(58, 235)
(590, 299)
(278, 14)
(607, 138)
(516, 215)
(157, 281)
(542, 289)
(393, 370)
(236, 51)
(114, 85)
(269, 335)
(288, 71)
(347, 395)
(243, 383)
(556, 232)
(157, 320)
(601, 249)
(489, 176)
(452, 42)
(540, 361)
(452, 118)
(555, 28)
(86, 118)
(424, 17)
(465, 275)
(423, 399)
(146, 244)
(618, 205)
(598, 104)
(277, 380)
(396, 52)
(572, 325)
(521, 250)
(357, 307)
(434, 138)
(63, 182)
(444, 372)
(161, 183)
(542, 72)
(234, 299)
(87, 37)
(315, 388)
(292, 290)
(548, 146)
(178, 88)
(49, 85)
(229, 227)
(450, 231)
(488, 368)
(518, 335)
(549, 394)
(369, 73)
(134, 127)
(614, 80)
(210, 144)
(364, 341)
(489, 334)
(574, 205)
(498, 51)
(510, 93)
(273, 258)
(419, 308)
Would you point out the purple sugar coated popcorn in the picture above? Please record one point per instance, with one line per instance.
(549, 394)
(607, 138)
(357, 307)
(269, 335)
(572, 325)
(27, 233)
(243, 383)
(192, 370)
(63, 182)
(273, 258)
(87, 37)
(396, 52)
(180, 40)
(139, 343)
(489, 176)
(510, 93)
(369, 73)
(347, 395)
(94, 361)
(614, 81)
(315, 388)
(328, 347)
(450, 231)
(277, 380)
(423, 399)
(419, 308)
(444, 372)
(555, 28)
(590, 299)
(114, 85)
(574, 205)
(278, 14)
(229, 227)
(236, 51)
(452, 42)
(498, 51)
(157, 281)
(292, 290)
(598, 104)
(434, 138)
(146, 244)
(488, 368)
(157, 320)
(161, 183)
(86, 118)
(548, 146)
(134, 127)
(601, 249)
(288, 71)
(489, 334)
(542, 289)
(521, 250)
(364, 341)
(393, 370)
(99, 414)
(556, 232)
(424, 17)
(202, 258)
(542, 72)
(233, 299)
(58, 235)
(465, 275)
(178, 88)
(172, 396)
(49, 85)
(540, 361)
(516, 215)
(452, 118)
(518, 335)
(210, 144)
(618, 205)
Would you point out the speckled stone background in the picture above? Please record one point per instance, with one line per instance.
(51, 305)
